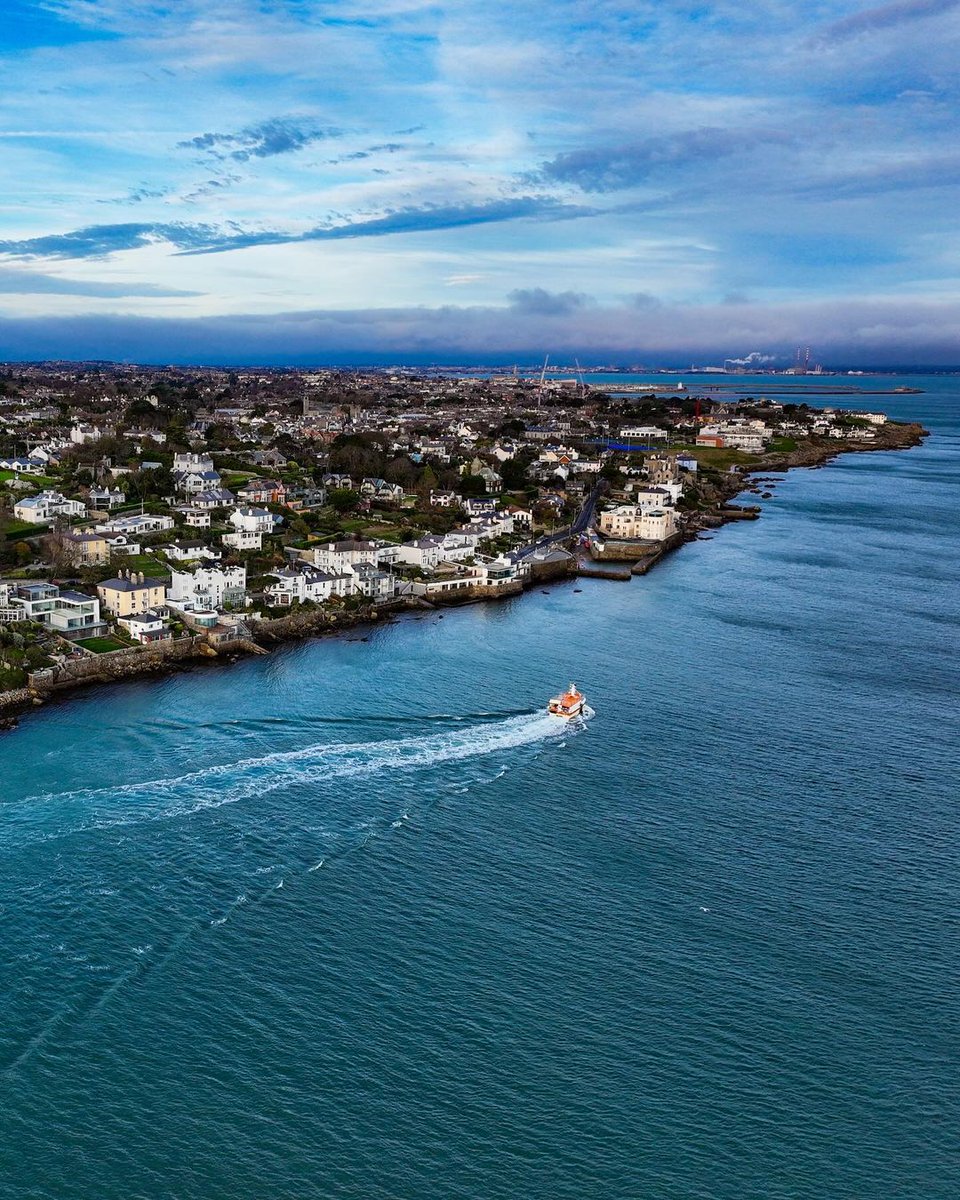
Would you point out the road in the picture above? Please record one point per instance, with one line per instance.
(580, 525)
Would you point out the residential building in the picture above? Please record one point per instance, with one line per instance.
(209, 586)
(630, 521)
(254, 520)
(87, 549)
(263, 491)
(130, 593)
(243, 540)
(298, 583)
(70, 614)
(106, 498)
(137, 524)
(147, 628)
(42, 509)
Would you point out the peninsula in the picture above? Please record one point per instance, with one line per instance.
(153, 516)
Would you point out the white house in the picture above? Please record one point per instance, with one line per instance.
(137, 524)
(300, 581)
(253, 520)
(424, 553)
(209, 587)
(42, 509)
(191, 462)
(187, 551)
(335, 557)
(146, 627)
(372, 582)
(71, 614)
(243, 539)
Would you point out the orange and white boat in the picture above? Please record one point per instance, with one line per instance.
(570, 703)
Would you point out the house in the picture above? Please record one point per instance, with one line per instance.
(42, 509)
(137, 524)
(372, 582)
(522, 517)
(478, 507)
(424, 553)
(147, 628)
(190, 551)
(661, 468)
(195, 518)
(263, 491)
(209, 586)
(654, 497)
(130, 593)
(269, 458)
(106, 498)
(337, 482)
(254, 520)
(379, 489)
(300, 582)
(440, 499)
(335, 557)
(70, 614)
(633, 522)
(87, 549)
(183, 463)
(686, 462)
(119, 543)
(213, 498)
(194, 482)
(243, 540)
(80, 434)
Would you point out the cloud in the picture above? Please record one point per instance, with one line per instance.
(886, 16)
(610, 168)
(848, 332)
(538, 302)
(97, 241)
(282, 135)
(23, 283)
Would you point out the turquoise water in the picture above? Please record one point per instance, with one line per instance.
(356, 920)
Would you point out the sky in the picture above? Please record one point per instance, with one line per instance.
(654, 182)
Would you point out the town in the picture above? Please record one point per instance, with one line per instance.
(145, 507)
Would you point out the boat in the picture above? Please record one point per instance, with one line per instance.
(568, 704)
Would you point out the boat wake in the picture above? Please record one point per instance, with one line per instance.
(228, 783)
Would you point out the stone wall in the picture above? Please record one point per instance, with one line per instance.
(118, 664)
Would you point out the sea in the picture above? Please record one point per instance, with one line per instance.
(358, 920)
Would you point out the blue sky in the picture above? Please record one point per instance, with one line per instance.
(291, 180)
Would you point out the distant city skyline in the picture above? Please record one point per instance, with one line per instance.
(230, 181)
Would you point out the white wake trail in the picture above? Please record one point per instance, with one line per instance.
(229, 783)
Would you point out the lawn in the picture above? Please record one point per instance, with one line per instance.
(39, 480)
(141, 562)
(101, 645)
(719, 459)
(12, 529)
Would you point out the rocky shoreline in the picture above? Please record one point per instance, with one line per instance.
(715, 510)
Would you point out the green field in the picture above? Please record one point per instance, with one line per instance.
(42, 481)
(720, 460)
(12, 529)
(101, 645)
(141, 562)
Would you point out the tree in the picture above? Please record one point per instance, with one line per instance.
(343, 499)
(473, 485)
(23, 552)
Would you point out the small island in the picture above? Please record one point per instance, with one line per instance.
(153, 517)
